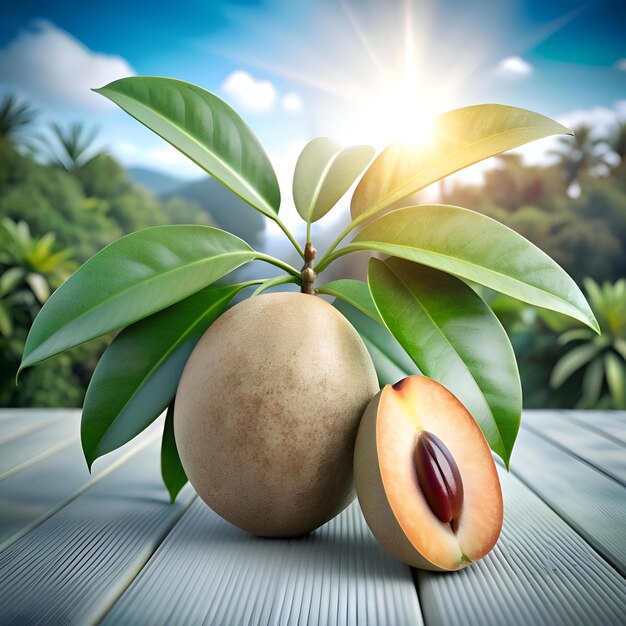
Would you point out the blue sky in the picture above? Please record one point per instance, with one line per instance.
(296, 69)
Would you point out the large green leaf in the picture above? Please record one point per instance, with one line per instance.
(390, 360)
(458, 138)
(454, 338)
(206, 129)
(130, 279)
(478, 248)
(172, 469)
(355, 292)
(138, 374)
(324, 172)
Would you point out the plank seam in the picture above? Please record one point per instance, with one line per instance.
(590, 543)
(572, 453)
(30, 429)
(38, 458)
(96, 479)
(140, 565)
(594, 429)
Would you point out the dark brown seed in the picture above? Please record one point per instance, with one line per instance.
(439, 478)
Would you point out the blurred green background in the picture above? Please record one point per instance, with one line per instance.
(61, 201)
(76, 173)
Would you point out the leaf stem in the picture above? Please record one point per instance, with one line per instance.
(328, 257)
(287, 232)
(278, 263)
(272, 282)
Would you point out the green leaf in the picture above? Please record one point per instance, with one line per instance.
(573, 361)
(355, 292)
(10, 279)
(204, 128)
(130, 279)
(620, 346)
(616, 378)
(39, 286)
(324, 172)
(477, 248)
(172, 469)
(138, 374)
(592, 384)
(390, 360)
(458, 139)
(6, 323)
(455, 339)
(576, 334)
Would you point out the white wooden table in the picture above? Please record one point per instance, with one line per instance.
(77, 548)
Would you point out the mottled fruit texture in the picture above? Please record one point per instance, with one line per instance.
(267, 413)
(425, 477)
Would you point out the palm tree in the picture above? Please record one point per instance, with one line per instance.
(617, 141)
(15, 115)
(579, 154)
(71, 148)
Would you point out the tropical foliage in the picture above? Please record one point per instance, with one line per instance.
(15, 116)
(156, 284)
(603, 358)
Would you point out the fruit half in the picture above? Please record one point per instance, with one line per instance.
(425, 477)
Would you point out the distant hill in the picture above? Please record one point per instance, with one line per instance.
(156, 182)
(225, 209)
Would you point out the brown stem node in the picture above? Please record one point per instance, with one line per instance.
(308, 274)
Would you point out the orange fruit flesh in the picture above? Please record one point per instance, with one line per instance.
(417, 404)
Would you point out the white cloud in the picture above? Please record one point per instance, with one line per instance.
(601, 118)
(514, 67)
(620, 64)
(249, 93)
(292, 102)
(52, 65)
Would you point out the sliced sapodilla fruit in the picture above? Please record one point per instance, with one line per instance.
(425, 477)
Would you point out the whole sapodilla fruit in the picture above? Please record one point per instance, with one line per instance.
(267, 412)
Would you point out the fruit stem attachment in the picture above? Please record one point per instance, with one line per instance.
(308, 274)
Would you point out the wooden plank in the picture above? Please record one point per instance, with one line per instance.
(541, 572)
(30, 496)
(16, 423)
(591, 502)
(610, 423)
(37, 445)
(72, 567)
(589, 445)
(207, 571)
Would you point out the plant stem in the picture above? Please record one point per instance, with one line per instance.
(308, 232)
(250, 283)
(308, 270)
(328, 256)
(278, 263)
(272, 282)
(291, 238)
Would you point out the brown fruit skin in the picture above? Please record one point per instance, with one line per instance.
(267, 412)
